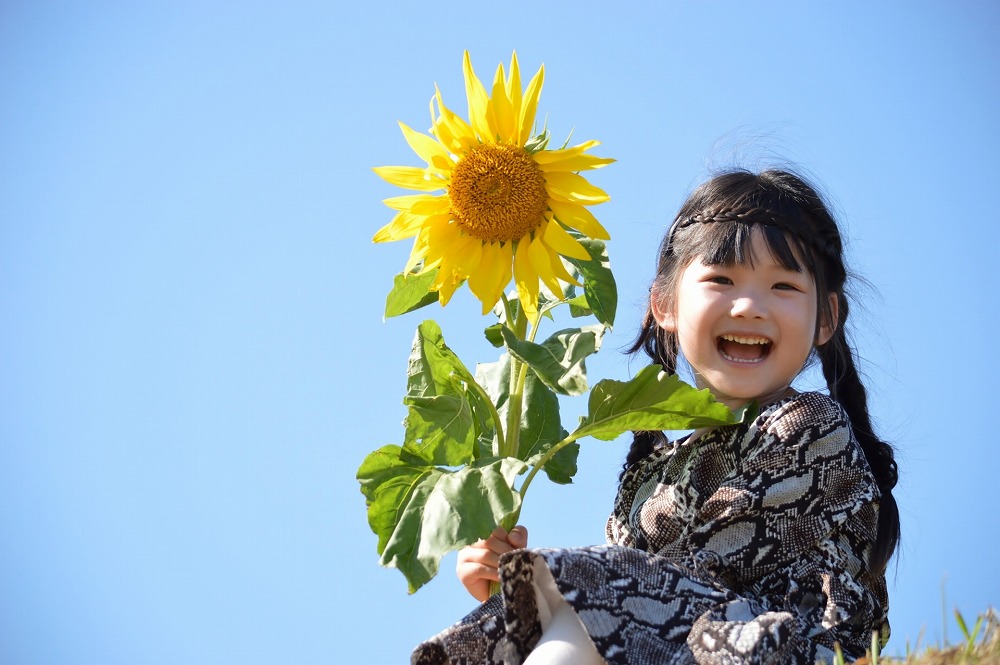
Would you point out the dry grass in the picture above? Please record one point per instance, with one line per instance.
(980, 645)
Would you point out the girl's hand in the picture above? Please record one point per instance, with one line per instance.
(477, 563)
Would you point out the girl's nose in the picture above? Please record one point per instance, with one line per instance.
(747, 306)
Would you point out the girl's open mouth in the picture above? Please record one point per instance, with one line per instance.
(744, 348)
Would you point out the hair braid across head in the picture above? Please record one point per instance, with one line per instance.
(826, 246)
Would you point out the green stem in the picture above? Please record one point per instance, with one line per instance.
(518, 372)
(514, 408)
(542, 462)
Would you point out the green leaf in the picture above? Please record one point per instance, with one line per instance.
(541, 428)
(578, 306)
(410, 292)
(493, 335)
(445, 415)
(422, 512)
(386, 482)
(538, 142)
(495, 380)
(652, 400)
(440, 429)
(434, 369)
(561, 467)
(559, 360)
(599, 285)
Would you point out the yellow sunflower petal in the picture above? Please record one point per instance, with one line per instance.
(541, 259)
(453, 268)
(441, 236)
(427, 149)
(581, 163)
(451, 130)
(556, 266)
(526, 280)
(416, 257)
(478, 100)
(403, 225)
(504, 122)
(529, 105)
(420, 204)
(571, 159)
(514, 95)
(577, 217)
(424, 246)
(557, 238)
(466, 255)
(409, 177)
(562, 153)
(574, 189)
(446, 283)
(492, 275)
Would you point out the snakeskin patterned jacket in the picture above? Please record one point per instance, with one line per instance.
(747, 545)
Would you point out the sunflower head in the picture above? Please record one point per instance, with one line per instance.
(494, 202)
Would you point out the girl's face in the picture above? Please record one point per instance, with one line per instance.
(746, 331)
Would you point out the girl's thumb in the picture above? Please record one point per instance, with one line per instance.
(518, 537)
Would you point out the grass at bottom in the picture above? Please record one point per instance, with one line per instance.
(980, 645)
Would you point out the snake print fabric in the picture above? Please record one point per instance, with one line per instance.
(747, 545)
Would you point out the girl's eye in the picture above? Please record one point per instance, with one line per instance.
(719, 279)
(785, 286)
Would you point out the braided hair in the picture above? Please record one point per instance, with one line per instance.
(716, 224)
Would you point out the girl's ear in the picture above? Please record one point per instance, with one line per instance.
(829, 325)
(663, 313)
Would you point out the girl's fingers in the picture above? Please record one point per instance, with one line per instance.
(479, 555)
(497, 542)
(469, 571)
(518, 537)
(477, 564)
(501, 542)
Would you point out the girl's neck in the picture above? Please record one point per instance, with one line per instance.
(762, 403)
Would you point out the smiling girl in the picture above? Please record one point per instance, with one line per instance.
(761, 542)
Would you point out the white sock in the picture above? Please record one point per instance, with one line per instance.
(564, 640)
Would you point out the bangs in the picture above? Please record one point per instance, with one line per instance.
(730, 244)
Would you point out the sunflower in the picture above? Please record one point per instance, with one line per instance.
(507, 201)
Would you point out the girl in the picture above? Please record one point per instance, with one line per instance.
(765, 541)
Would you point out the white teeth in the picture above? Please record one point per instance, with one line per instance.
(739, 339)
(745, 361)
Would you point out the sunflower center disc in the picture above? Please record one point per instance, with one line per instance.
(497, 193)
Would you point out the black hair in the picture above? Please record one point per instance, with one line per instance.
(716, 223)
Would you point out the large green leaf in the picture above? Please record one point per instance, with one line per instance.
(541, 426)
(445, 415)
(422, 512)
(559, 360)
(410, 292)
(599, 285)
(652, 400)
(440, 429)
(434, 369)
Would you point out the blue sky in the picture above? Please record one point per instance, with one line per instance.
(193, 360)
